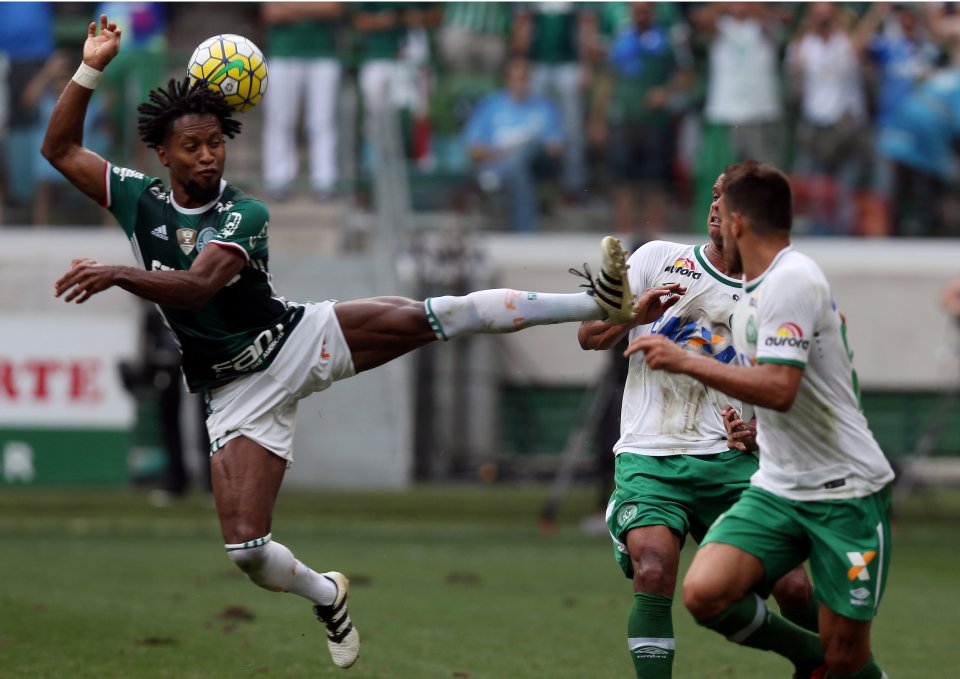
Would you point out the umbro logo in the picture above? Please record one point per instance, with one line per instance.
(160, 232)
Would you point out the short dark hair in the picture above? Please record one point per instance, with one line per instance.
(180, 99)
(761, 193)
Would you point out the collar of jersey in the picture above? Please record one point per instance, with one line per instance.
(712, 270)
(203, 208)
(750, 286)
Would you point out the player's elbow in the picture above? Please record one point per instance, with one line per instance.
(781, 400)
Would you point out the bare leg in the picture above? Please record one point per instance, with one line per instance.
(381, 329)
(846, 642)
(246, 479)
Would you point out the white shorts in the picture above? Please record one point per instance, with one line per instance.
(262, 406)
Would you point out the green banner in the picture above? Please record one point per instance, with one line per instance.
(63, 457)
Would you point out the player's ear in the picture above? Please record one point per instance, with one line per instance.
(162, 155)
(738, 224)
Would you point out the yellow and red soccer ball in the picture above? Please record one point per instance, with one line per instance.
(233, 66)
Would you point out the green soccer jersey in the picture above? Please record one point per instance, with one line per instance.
(243, 326)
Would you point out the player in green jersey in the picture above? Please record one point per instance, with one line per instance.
(822, 491)
(203, 245)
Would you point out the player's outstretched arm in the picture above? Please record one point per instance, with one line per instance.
(63, 143)
(768, 385)
(191, 289)
(649, 306)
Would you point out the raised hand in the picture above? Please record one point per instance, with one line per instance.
(655, 301)
(99, 50)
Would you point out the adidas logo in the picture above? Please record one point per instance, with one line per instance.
(160, 232)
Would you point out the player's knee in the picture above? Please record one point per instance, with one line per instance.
(701, 598)
(654, 574)
(793, 591)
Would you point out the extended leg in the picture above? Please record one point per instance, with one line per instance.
(380, 329)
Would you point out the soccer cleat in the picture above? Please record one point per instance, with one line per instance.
(343, 640)
(611, 289)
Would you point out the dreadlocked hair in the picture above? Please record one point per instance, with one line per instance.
(180, 99)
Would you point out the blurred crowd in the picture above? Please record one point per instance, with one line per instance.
(531, 107)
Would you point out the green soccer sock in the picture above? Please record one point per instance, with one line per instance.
(748, 622)
(808, 618)
(650, 635)
(868, 671)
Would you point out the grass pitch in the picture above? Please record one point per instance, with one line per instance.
(447, 582)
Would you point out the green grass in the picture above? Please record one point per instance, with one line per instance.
(448, 582)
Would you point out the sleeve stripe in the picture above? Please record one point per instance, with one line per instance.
(106, 185)
(230, 245)
(783, 361)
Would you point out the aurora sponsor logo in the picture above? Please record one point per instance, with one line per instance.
(788, 334)
(685, 267)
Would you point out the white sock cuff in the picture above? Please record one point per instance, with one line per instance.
(433, 320)
(249, 544)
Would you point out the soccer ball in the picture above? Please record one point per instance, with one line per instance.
(232, 65)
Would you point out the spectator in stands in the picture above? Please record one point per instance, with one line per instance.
(380, 33)
(140, 66)
(832, 145)
(515, 138)
(473, 38)
(899, 53)
(302, 50)
(421, 20)
(743, 114)
(26, 38)
(632, 114)
(918, 138)
(561, 41)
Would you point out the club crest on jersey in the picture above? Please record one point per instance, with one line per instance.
(685, 267)
(187, 238)
(626, 514)
(207, 235)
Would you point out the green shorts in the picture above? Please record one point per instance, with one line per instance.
(685, 493)
(847, 542)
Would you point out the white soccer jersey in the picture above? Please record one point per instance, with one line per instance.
(822, 448)
(668, 413)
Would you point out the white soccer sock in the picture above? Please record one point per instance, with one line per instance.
(503, 310)
(274, 567)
